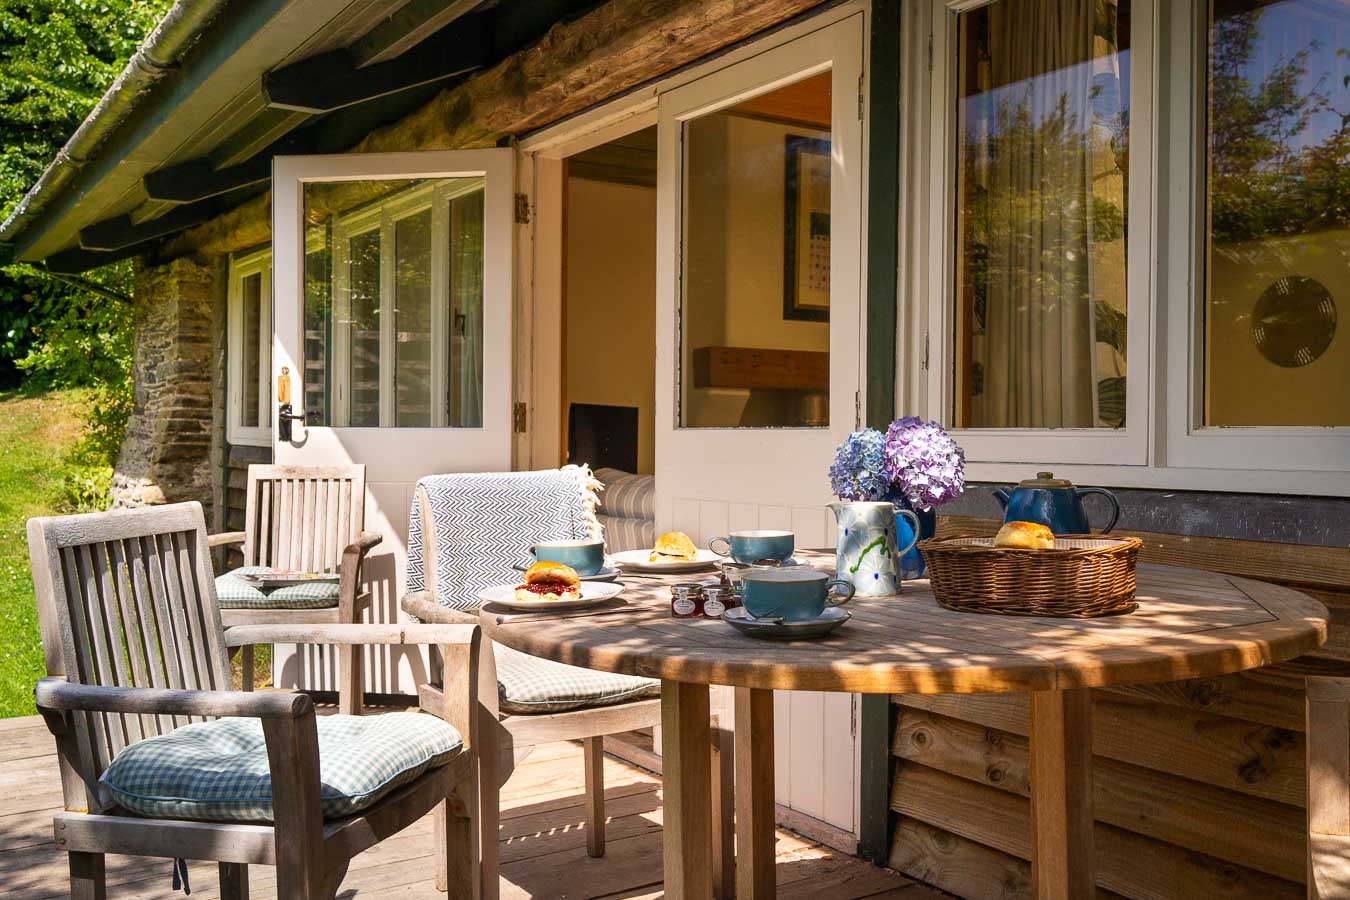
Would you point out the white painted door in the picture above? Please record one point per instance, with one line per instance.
(759, 331)
(392, 305)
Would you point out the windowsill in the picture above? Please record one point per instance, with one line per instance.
(249, 440)
(1254, 481)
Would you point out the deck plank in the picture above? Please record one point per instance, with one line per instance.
(543, 841)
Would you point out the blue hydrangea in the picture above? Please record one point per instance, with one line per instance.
(859, 469)
(924, 462)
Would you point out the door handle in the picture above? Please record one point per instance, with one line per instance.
(284, 414)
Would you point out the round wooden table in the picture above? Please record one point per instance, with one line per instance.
(1190, 623)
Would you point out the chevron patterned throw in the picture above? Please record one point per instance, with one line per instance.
(484, 523)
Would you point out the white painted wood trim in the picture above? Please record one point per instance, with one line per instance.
(259, 263)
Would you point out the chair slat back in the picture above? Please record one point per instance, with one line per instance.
(301, 517)
(127, 599)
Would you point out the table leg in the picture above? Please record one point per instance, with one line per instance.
(755, 835)
(1061, 794)
(687, 789)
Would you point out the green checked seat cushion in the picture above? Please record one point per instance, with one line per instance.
(529, 685)
(217, 771)
(235, 593)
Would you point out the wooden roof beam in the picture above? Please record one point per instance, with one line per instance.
(411, 24)
(336, 79)
(198, 179)
(120, 232)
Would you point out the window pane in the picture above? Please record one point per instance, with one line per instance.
(363, 329)
(1042, 180)
(1278, 214)
(755, 339)
(251, 370)
(412, 320)
(318, 324)
(465, 398)
(394, 303)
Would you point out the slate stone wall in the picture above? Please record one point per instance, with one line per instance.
(167, 455)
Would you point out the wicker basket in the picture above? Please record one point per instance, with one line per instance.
(1084, 576)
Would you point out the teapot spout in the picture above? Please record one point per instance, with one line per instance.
(1002, 495)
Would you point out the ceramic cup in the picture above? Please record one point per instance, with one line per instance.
(795, 594)
(751, 546)
(587, 557)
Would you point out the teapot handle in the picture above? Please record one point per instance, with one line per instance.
(1115, 504)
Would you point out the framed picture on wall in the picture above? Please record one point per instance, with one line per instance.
(806, 232)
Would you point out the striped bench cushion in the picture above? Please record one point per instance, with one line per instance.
(235, 593)
(623, 533)
(626, 494)
(217, 771)
(528, 685)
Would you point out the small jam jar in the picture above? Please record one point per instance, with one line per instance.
(716, 600)
(686, 600)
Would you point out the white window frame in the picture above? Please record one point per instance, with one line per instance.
(1123, 446)
(384, 216)
(258, 263)
(1165, 445)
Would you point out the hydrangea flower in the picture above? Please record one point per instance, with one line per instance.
(859, 471)
(924, 462)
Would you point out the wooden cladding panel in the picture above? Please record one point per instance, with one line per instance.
(750, 367)
(1199, 784)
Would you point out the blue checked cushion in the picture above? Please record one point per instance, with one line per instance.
(235, 593)
(217, 771)
(528, 685)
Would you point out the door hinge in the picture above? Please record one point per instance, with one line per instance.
(924, 363)
(518, 418)
(857, 410)
(522, 209)
(862, 101)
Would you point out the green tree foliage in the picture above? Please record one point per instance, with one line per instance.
(57, 57)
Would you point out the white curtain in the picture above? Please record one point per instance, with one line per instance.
(1040, 118)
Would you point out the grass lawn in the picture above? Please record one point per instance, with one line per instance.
(36, 433)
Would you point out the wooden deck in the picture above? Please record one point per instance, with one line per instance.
(543, 847)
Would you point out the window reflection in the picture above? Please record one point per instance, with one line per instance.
(1278, 179)
(1042, 180)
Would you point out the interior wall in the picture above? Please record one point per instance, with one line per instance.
(611, 302)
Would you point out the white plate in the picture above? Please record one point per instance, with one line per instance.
(638, 561)
(592, 592)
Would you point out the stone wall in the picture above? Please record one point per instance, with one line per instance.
(167, 454)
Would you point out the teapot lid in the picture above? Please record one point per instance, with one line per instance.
(1045, 480)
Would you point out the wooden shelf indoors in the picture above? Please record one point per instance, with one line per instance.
(749, 367)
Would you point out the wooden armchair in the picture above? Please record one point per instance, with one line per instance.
(506, 735)
(1328, 788)
(311, 519)
(135, 648)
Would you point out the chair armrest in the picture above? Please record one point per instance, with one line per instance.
(409, 633)
(422, 605)
(225, 538)
(349, 569)
(54, 694)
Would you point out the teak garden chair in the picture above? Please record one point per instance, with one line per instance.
(1328, 788)
(310, 519)
(510, 682)
(137, 656)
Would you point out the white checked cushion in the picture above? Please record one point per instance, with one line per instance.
(235, 593)
(217, 771)
(528, 685)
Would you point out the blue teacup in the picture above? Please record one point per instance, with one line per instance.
(794, 594)
(586, 556)
(749, 546)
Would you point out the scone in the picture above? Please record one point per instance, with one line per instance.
(547, 580)
(1025, 536)
(674, 546)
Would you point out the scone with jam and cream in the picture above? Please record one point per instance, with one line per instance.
(547, 580)
(674, 546)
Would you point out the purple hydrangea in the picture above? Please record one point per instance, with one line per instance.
(859, 471)
(924, 462)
